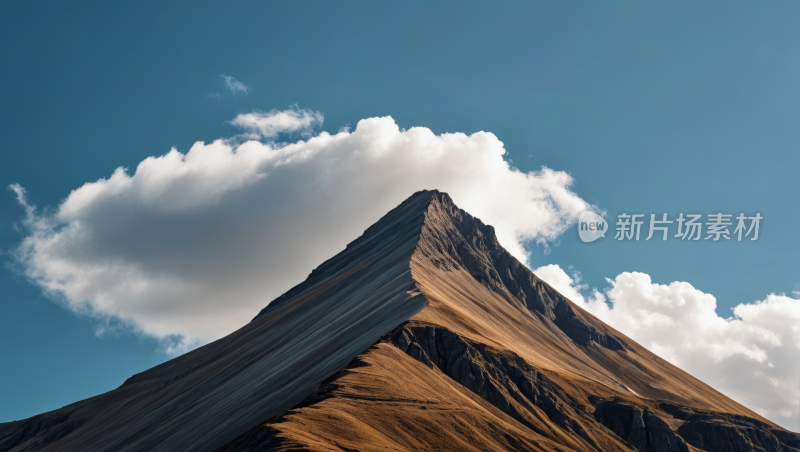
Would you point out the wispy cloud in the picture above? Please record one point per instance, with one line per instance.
(19, 190)
(235, 86)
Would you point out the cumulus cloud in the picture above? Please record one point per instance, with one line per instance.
(190, 246)
(235, 86)
(757, 347)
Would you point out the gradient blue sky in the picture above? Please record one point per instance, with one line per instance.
(652, 108)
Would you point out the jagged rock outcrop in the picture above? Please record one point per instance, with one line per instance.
(641, 427)
(423, 334)
(729, 432)
(502, 378)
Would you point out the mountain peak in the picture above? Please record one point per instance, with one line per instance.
(424, 333)
(454, 240)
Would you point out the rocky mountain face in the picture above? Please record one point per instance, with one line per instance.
(424, 334)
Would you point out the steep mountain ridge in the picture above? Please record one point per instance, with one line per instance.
(423, 334)
(207, 397)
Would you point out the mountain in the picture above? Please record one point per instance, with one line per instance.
(423, 334)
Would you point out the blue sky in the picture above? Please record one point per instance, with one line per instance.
(650, 108)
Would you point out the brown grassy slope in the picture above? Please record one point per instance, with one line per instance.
(391, 398)
(386, 400)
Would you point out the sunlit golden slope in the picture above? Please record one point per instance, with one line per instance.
(477, 289)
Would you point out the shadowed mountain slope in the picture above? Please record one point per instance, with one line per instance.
(207, 397)
(424, 334)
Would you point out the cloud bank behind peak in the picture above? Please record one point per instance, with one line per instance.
(192, 245)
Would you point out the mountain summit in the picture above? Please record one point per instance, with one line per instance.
(423, 334)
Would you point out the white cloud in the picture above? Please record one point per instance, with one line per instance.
(235, 86)
(269, 125)
(567, 285)
(751, 356)
(19, 190)
(191, 246)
